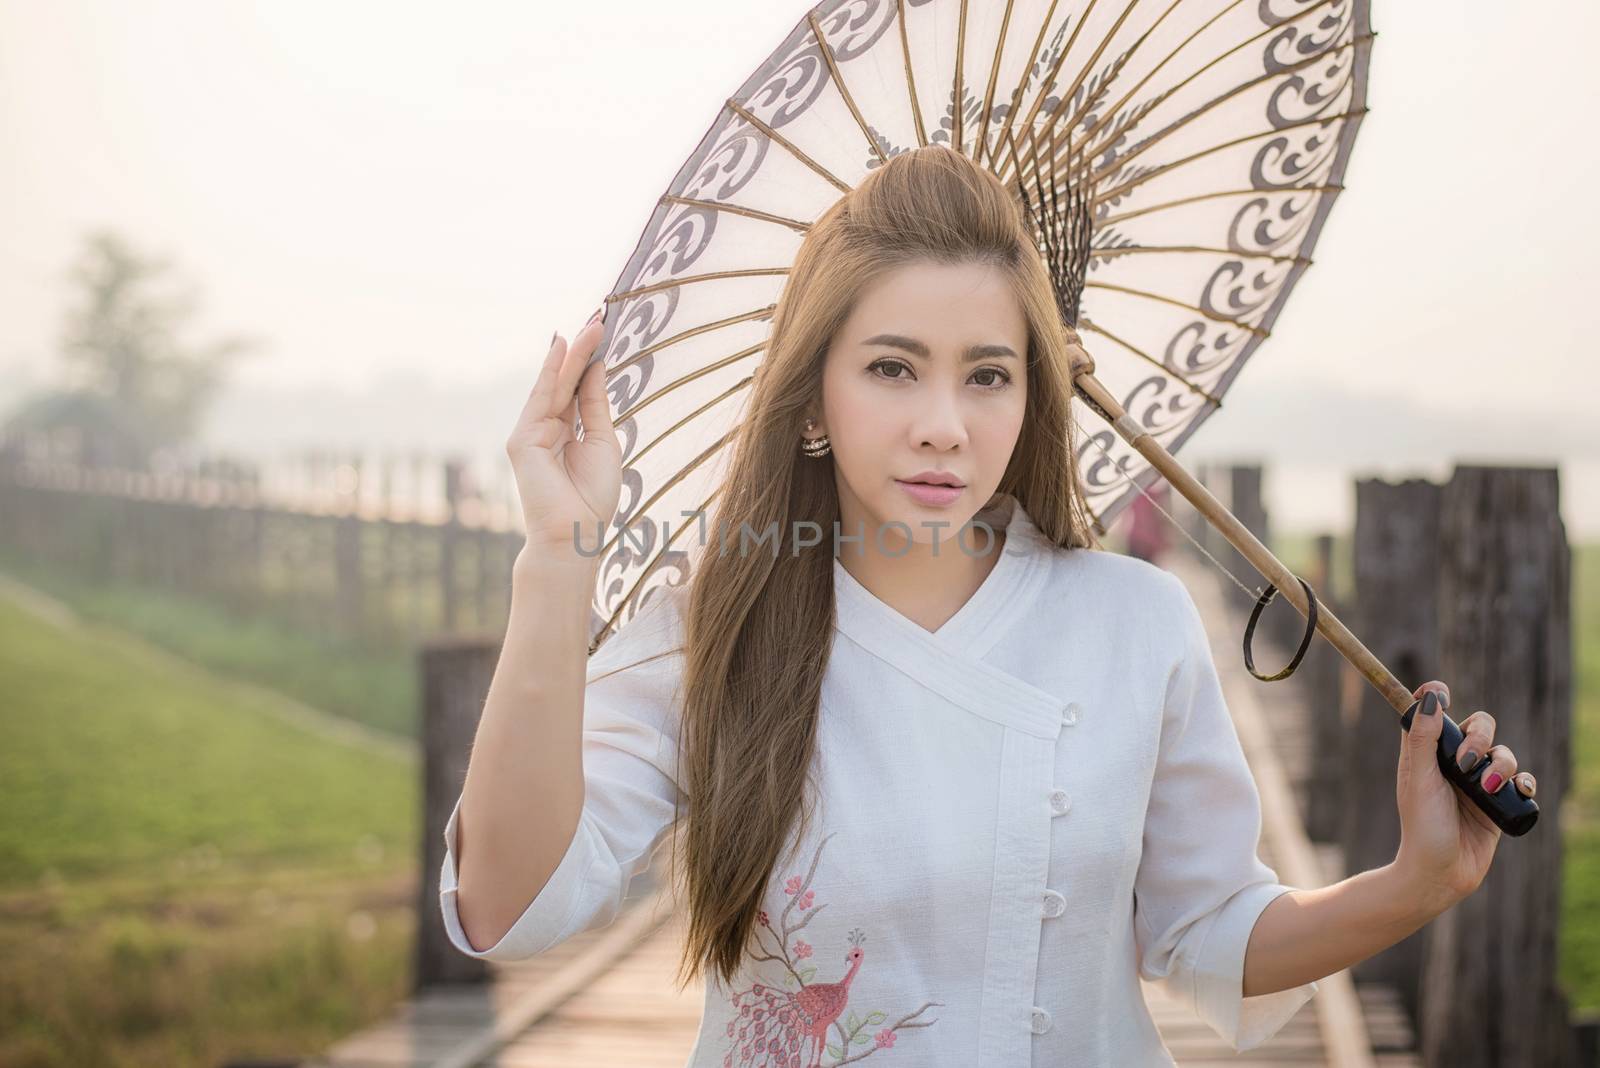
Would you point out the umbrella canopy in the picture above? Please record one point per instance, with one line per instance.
(1177, 161)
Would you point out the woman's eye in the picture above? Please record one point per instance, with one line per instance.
(998, 383)
(887, 363)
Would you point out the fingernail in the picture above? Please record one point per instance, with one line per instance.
(1430, 703)
(1491, 782)
(1468, 759)
(553, 335)
(599, 313)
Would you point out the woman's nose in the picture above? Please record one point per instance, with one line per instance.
(940, 421)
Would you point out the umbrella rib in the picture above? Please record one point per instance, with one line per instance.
(957, 133)
(1087, 324)
(1044, 86)
(793, 150)
(1083, 72)
(633, 460)
(735, 209)
(667, 543)
(1256, 330)
(710, 276)
(844, 90)
(684, 380)
(1214, 102)
(994, 78)
(703, 328)
(1004, 132)
(911, 80)
(1108, 220)
(1112, 113)
(1123, 62)
(1133, 183)
(1133, 250)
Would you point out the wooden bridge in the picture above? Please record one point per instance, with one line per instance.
(607, 996)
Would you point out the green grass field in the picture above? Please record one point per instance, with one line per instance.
(374, 687)
(1580, 884)
(185, 876)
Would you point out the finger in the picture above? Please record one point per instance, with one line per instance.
(1422, 733)
(1437, 687)
(537, 407)
(1478, 738)
(1527, 785)
(573, 367)
(594, 406)
(1502, 765)
(544, 384)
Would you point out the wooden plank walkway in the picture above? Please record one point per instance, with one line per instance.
(607, 997)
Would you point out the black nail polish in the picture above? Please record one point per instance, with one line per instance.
(1468, 760)
(1430, 703)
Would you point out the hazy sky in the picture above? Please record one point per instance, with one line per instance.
(382, 189)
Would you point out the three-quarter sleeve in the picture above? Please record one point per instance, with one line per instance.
(1201, 886)
(630, 719)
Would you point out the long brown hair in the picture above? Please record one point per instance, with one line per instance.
(758, 625)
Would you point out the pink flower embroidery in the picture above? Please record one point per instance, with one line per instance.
(794, 1028)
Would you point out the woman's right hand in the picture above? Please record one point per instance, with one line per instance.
(567, 483)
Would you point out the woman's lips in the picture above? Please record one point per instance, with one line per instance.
(935, 496)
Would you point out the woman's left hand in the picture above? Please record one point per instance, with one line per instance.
(1446, 842)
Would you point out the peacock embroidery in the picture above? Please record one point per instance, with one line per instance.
(796, 1022)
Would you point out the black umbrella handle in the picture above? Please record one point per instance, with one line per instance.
(1511, 812)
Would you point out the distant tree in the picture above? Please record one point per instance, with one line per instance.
(133, 384)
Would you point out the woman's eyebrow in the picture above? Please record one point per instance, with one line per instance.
(917, 348)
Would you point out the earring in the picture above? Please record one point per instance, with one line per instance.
(814, 447)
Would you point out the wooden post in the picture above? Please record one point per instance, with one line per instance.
(1325, 791)
(1247, 506)
(1490, 995)
(455, 683)
(450, 538)
(1396, 582)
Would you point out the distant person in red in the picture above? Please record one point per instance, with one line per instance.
(1147, 536)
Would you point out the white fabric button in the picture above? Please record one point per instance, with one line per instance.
(1054, 903)
(1041, 1021)
(1069, 715)
(1060, 801)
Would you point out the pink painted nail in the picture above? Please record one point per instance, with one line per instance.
(1492, 782)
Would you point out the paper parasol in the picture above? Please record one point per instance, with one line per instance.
(1189, 151)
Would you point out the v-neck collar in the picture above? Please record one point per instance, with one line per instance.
(972, 627)
(950, 661)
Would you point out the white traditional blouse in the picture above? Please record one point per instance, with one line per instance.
(1020, 814)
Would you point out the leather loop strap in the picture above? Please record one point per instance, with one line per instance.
(1305, 642)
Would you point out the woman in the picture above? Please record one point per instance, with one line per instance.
(943, 799)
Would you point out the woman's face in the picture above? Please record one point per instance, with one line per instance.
(927, 374)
